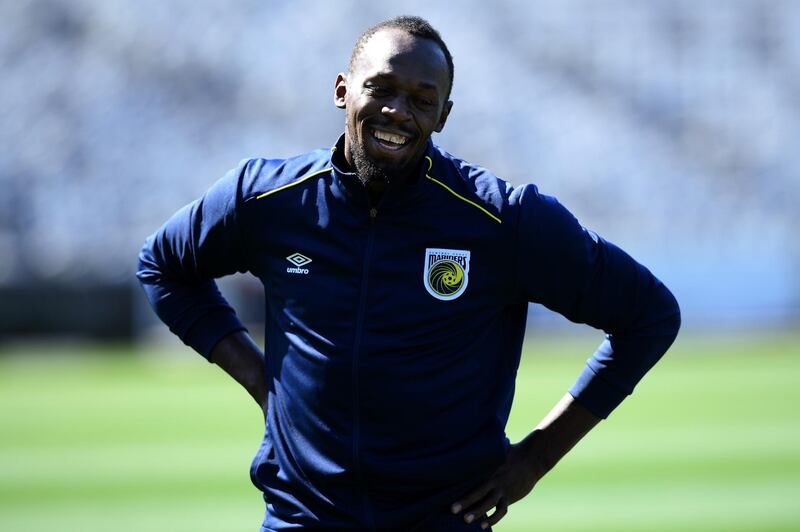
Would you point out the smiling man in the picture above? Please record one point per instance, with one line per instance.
(395, 96)
(397, 280)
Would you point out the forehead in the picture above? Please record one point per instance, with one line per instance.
(393, 52)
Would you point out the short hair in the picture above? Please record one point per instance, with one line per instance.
(417, 26)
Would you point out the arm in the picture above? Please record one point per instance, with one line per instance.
(572, 271)
(240, 357)
(528, 461)
(587, 279)
(179, 262)
(177, 268)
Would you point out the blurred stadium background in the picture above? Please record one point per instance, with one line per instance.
(670, 127)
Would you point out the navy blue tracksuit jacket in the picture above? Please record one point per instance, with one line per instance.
(394, 332)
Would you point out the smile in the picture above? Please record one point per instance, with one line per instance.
(389, 140)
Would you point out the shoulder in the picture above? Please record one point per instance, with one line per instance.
(471, 183)
(260, 178)
(522, 204)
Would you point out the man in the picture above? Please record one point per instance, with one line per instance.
(397, 280)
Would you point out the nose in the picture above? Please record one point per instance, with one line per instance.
(396, 110)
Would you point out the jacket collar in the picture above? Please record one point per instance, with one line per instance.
(353, 188)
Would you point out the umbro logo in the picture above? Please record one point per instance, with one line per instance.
(298, 260)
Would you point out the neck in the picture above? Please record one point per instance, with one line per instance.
(375, 179)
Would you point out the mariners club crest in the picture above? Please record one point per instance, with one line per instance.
(446, 272)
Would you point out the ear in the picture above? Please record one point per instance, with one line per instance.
(443, 117)
(340, 90)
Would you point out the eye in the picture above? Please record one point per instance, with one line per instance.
(424, 102)
(376, 90)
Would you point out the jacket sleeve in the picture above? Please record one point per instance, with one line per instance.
(178, 264)
(574, 272)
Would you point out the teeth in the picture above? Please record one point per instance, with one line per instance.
(390, 137)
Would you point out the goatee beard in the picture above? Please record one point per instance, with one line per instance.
(369, 171)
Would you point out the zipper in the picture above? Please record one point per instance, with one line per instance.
(360, 317)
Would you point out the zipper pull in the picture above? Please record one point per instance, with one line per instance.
(373, 212)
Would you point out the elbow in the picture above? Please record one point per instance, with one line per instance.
(148, 269)
(671, 312)
(675, 311)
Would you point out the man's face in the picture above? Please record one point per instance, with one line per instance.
(395, 97)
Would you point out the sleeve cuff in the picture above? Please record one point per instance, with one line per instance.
(597, 395)
(210, 329)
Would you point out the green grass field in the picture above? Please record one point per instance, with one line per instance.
(100, 438)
